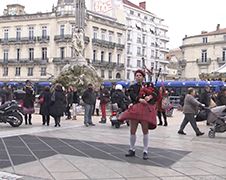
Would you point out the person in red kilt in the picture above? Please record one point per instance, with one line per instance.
(141, 111)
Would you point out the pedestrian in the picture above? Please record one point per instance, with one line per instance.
(28, 102)
(44, 101)
(190, 109)
(75, 104)
(141, 111)
(221, 97)
(162, 104)
(58, 104)
(104, 100)
(88, 98)
(69, 101)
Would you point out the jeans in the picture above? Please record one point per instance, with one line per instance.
(189, 117)
(88, 113)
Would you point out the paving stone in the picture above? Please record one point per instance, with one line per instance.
(20, 159)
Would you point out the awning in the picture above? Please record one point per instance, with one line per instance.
(2, 84)
(44, 83)
(12, 83)
(107, 84)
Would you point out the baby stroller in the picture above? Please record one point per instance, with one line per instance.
(215, 116)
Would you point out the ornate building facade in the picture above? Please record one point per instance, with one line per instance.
(37, 46)
(203, 53)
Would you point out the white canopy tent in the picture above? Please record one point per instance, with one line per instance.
(221, 69)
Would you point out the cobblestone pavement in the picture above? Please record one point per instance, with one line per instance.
(74, 151)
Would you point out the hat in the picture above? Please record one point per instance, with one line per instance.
(118, 86)
(140, 71)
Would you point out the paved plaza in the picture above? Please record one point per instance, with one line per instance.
(74, 151)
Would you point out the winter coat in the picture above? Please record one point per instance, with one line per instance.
(29, 98)
(191, 104)
(221, 99)
(69, 98)
(76, 99)
(120, 99)
(45, 106)
(58, 103)
(104, 96)
(89, 97)
(205, 98)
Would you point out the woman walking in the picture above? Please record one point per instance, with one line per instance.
(44, 101)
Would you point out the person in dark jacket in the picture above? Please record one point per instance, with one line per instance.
(58, 104)
(28, 102)
(69, 100)
(190, 108)
(104, 100)
(120, 98)
(45, 100)
(88, 98)
(75, 104)
(205, 96)
(221, 97)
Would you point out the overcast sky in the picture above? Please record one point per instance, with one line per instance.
(182, 16)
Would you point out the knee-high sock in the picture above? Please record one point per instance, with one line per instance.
(132, 141)
(145, 142)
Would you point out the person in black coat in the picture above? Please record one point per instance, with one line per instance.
(221, 97)
(69, 99)
(205, 97)
(45, 100)
(58, 104)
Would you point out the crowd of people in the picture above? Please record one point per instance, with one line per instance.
(142, 97)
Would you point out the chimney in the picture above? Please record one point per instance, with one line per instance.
(204, 32)
(142, 5)
(218, 27)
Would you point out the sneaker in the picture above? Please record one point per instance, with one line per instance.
(181, 132)
(130, 153)
(200, 134)
(145, 156)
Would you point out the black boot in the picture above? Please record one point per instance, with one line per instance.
(165, 123)
(130, 153)
(97, 112)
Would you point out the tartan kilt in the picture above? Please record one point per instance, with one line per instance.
(141, 112)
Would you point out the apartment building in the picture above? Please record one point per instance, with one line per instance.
(37, 46)
(146, 40)
(203, 53)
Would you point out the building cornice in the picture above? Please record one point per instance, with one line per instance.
(203, 44)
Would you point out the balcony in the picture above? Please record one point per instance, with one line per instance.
(60, 61)
(103, 43)
(23, 40)
(164, 49)
(63, 38)
(201, 62)
(43, 39)
(40, 61)
(221, 61)
(108, 65)
(120, 46)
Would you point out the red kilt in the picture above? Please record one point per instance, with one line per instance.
(140, 112)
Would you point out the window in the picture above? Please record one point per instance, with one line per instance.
(5, 71)
(138, 63)
(5, 55)
(138, 14)
(62, 30)
(94, 55)
(72, 52)
(31, 54)
(44, 53)
(118, 58)
(138, 51)
(128, 62)
(102, 73)
(131, 12)
(44, 32)
(224, 54)
(128, 49)
(31, 32)
(18, 34)
(129, 35)
(224, 37)
(128, 75)
(17, 54)
(204, 55)
(102, 56)
(109, 57)
(204, 40)
(110, 74)
(144, 39)
(110, 36)
(43, 71)
(138, 38)
(62, 53)
(119, 38)
(95, 33)
(30, 71)
(143, 51)
(152, 53)
(17, 73)
(6, 34)
(143, 62)
(103, 34)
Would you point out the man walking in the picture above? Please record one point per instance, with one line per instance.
(88, 98)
